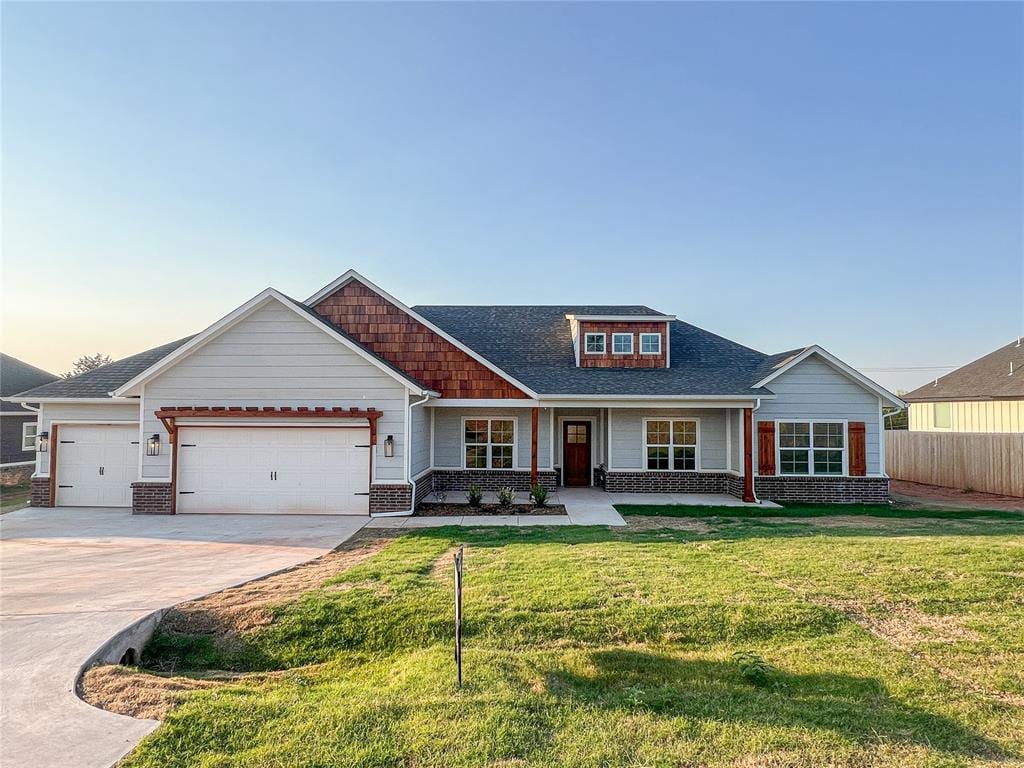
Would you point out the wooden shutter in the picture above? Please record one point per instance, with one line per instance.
(857, 448)
(766, 447)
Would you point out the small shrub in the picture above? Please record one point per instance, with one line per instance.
(474, 495)
(540, 495)
(753, 668)
(506, 496)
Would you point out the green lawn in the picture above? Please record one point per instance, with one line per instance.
(14, 497)
(597, 647)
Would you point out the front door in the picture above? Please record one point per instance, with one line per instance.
(576, 453)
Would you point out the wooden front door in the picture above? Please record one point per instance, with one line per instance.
(576, 453)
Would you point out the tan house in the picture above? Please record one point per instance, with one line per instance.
(984, 396)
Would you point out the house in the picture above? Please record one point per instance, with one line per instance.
(984, 396)
(17, 422)
(352, 402)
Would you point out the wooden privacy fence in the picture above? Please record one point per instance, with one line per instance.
(993, 463)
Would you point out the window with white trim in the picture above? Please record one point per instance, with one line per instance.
(812, 447)
(650, 343)
(670, 444)
(28, 435)
(593, 343)
(489, 443)
(622, 343)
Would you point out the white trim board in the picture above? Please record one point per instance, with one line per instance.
(351, 275)
(233, 318)
(835, 363)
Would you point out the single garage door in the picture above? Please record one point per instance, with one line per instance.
(96, 464)
(261, 470)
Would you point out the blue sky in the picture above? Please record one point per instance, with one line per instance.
(782, 174)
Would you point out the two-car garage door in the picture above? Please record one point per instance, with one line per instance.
(299, 470)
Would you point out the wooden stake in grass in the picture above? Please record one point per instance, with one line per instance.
(459, 557)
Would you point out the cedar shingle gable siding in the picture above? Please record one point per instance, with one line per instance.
(610, 359)
(423, 354)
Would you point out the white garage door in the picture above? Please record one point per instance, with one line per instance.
(96, 464)
(259, 470)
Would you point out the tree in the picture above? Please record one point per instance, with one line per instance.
(87, 363)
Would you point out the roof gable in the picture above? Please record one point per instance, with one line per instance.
(18, 376)
(789, 360)
(987, 378)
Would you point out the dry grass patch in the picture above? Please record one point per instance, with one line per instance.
(646, 523)
(130, 692)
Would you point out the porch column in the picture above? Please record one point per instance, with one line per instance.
(534, 415)
(748, 455)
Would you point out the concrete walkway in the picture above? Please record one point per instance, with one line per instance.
(72, 578)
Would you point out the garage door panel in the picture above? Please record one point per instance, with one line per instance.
(266, 470)
(82, 450)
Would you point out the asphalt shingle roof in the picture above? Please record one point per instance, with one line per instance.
(105, 379)
(534, 345)
(987, 378)
(17, 376)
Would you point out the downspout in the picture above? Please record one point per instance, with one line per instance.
(408, 466)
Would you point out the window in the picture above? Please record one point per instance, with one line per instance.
(943, 416)
(650, 343)
(594, 344)
(622, 343)
(671, 444)
(28, 435)
(811, 448)
(489, 443)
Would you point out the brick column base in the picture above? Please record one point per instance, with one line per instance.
(40, 494)
(390, 498)
(151, 499)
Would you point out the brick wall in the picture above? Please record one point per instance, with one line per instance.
(16, 475)
(824, 490)
(667, 482)
(151, 499)
(492, 480)
(390, 498)
(734, 486)
(40, 496)
(424, 486)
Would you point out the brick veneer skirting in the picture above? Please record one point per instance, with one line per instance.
(151, 498)
(824, 490)
(40, 494)
(424, 486)
(667, 482)
(734, 486)
(493, 479)
(390, 498)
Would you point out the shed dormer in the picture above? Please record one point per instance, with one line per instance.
(621, 341)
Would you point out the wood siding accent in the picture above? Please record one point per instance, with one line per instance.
(610, 360)
(400, 339)
(990, 463)
(858, 449)
(766, 447)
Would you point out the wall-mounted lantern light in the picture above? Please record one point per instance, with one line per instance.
(153, 445)
(389, 446)
(43, 442)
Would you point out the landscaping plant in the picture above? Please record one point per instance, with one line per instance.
(474, 495)
(539, 494)
(506, 495)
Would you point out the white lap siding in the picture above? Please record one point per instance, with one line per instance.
(275, 358)
(448, 437)
(627, 436)
(98, 413)
(419, 438)
(815, 390)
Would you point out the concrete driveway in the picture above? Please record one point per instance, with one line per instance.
(72, 578)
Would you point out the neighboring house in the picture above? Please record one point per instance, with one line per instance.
(984, 396)
(352, 402)
(18, 423)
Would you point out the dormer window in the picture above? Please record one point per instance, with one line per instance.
(622, 343)
(650, 343)
(594, 344)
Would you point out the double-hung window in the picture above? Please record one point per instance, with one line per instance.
(671, 444)
(811, 447)
(28, 435)
(489, 443)
(650, 343)
(593, 343)
(622, 343)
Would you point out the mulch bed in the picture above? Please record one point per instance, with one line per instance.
(433, 509)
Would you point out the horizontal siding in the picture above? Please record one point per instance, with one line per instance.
(448, 435)
(815, 390)
(419, 440)
(96, 412)
(275, 358)
(971, 416)
(627, 436)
